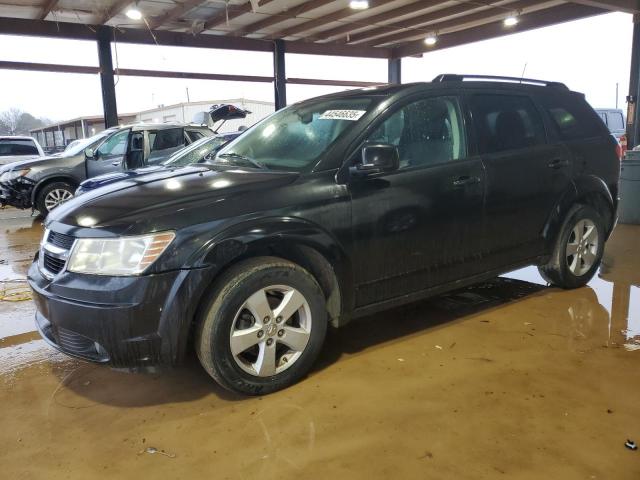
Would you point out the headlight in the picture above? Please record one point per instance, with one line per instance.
(118, 256)
(13, 174)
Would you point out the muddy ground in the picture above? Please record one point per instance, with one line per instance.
(508, 379)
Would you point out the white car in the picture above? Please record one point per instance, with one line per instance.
(14, 148)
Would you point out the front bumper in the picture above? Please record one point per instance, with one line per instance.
(17, 193)
(124, 321)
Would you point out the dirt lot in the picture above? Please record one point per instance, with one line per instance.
(508, 379)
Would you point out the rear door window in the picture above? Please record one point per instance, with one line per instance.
(166, 139)
(505, 122)
(572, 118)
(194, 135)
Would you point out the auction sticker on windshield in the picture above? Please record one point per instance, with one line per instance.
(353, 115)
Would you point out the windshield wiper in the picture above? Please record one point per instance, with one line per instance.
(243, 158)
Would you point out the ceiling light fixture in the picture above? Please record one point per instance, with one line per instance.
(431, 40)
(511, 21)
(359, 4)
(133, 13)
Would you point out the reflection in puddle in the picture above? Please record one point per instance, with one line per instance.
(614, 301)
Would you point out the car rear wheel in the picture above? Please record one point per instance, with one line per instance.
(262, 326)
(53, 195)
(578, 251)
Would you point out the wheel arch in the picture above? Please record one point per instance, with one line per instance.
(296, 240)
(585, 189)
(593, 191)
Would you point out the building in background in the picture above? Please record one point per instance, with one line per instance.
(56, 136)
(185, 112)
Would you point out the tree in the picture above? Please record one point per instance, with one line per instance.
(9, 120)
(16, 122)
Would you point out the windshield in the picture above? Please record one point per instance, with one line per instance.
(196, 152)
(83, 144)
(295, 138)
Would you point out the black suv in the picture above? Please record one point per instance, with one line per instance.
(330, 209)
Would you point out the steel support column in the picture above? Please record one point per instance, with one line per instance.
(395, 70)
(634, 87)
(106, 77)
(279, 75)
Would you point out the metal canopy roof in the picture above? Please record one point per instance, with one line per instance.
(387, 29)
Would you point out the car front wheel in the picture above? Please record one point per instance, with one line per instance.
(53, 195)
(262, 326)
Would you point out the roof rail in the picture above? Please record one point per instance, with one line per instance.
(452, 77)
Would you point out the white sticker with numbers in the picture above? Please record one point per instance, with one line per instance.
(353, 115)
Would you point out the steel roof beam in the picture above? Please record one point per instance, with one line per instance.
(77, 31)
(274, 19)
(47, 6)
(347, 28)
(228, 13)
(176, 12)
(422, 29)
(325, 19)
(529, 21)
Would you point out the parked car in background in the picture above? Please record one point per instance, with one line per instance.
(198, 152)
(15, 148)
(329, 209)
(45, 183)
(613, 118)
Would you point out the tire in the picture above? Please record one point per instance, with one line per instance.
(568, 271)
(60, 190)
(236, 309)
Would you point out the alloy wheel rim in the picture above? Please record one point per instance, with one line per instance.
(57, 197)
(582, 247)
(270, 331)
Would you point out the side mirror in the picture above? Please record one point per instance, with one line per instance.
(91, 154)
(378, 158)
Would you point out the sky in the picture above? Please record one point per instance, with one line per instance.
(589, 55)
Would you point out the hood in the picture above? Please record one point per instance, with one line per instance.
(135, 203)
(6, 160)
(109, 178)
(28, 162)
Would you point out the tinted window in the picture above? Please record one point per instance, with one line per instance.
(17, 147)
(427, 132)
(506, 122)
(115, 144)
(572, 117)
(195, 135)
(615, 121)
(164, 139)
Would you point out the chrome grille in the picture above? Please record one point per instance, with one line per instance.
(60, 240)
(54, 253)
(53, 264)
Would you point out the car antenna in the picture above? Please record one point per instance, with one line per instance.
(523, 70)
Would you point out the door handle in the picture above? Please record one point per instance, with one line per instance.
(558, 163)
(116, 164)
(465, 180)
